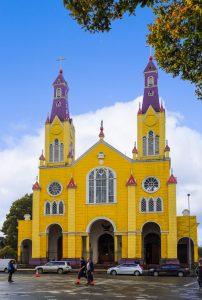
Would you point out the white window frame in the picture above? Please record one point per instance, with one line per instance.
(147, 206)
(87, 188)
(148, 81)
(60, 153)
(145, 150)
(58, 93)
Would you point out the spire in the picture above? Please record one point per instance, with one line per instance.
(101, 135)
(60, 103)
(135, 149)
(151, 96)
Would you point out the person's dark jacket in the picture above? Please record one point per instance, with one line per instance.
(11, 268)
(199, 273)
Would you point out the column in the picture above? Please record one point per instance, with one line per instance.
(87, 246)
(65, 245)
(172, 218)
(131, 184)
(139, 253)
(35, 223)
(44, 245)
(164, 245)
(71, 219)
(115, 248)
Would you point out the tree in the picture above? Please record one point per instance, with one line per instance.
(17, 211)
(8, 252)
(175, 33)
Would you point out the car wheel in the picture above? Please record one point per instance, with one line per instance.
(180, 274)
(137, 273)
(6, 270)
(40, 271)
(156, 273)
(60, 271)
(113, 272)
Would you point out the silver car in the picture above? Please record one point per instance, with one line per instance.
(59, 267)
(132, 269)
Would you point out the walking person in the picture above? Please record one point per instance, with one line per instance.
(199, 274)
(82, 270)
(11, 270)
(90, 269)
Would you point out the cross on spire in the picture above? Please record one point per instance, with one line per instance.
(150, 50)
(60, 59)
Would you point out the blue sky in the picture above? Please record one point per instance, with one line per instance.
(101, 69)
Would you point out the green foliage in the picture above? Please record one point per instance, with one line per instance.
(8, 252)
(17, 211)
(97, 15)
(200, 252)
(175, 35)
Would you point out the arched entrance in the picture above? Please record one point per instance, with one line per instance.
(105, 248)
(54, 242)
(26, 251)
(101, 236)
(183, 250)
(151, 241)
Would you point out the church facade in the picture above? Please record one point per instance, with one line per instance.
(104, 204)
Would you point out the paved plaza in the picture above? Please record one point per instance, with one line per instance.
(53, 287)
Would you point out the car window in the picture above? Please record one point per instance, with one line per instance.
(165, 267)
(132, 265)
(61, 263)
(49, 264)
(123, 265)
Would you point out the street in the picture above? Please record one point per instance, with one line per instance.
(55, 287)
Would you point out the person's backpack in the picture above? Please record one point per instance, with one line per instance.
(9, 267)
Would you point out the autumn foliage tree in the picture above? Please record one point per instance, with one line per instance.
(175, 33)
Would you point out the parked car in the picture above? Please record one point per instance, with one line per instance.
(59, 267)
(169, 269)
(4, 264)
(133, 269)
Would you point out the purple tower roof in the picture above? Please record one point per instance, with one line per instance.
(60, 103)
(151, 96)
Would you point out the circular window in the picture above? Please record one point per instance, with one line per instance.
(151, 184)
(54, 188)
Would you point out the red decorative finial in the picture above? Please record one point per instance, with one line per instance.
(150, 57)
(42, 157)
(167, 148)
(135, 149)
(61, 71)
(101, 135)
(48, 119)
(140, 109)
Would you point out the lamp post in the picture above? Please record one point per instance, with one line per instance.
(188, 195)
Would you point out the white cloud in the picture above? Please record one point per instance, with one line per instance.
(19, 162)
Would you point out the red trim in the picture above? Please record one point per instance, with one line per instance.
(36, 186)
(131, 181)
(172, 179)
(71, 184)
(167, 148)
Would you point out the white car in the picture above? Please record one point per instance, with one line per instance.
(131, 268)
(59, 267)
(4, 264)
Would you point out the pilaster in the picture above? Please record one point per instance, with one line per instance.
(36, 221)
(172, 218)
(71, 219)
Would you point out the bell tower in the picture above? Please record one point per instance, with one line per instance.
(59, 128)
(151, 118)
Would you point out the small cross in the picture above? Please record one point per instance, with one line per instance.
(150, 49)
(60, 59)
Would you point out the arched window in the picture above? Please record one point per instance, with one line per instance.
(51, 152)
(56, 150)
(158, 204)
(58, 92)
(144, 141)
(151, 205)
(61, 152)
(143, 205)
(101, 186)
(54, 208)
(61, 208)
(150, 81)
(157, 144)
(47, 208)
(151, 143)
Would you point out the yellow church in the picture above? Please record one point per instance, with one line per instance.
(105, 205)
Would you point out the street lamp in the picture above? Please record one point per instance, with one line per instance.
(188, 195)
